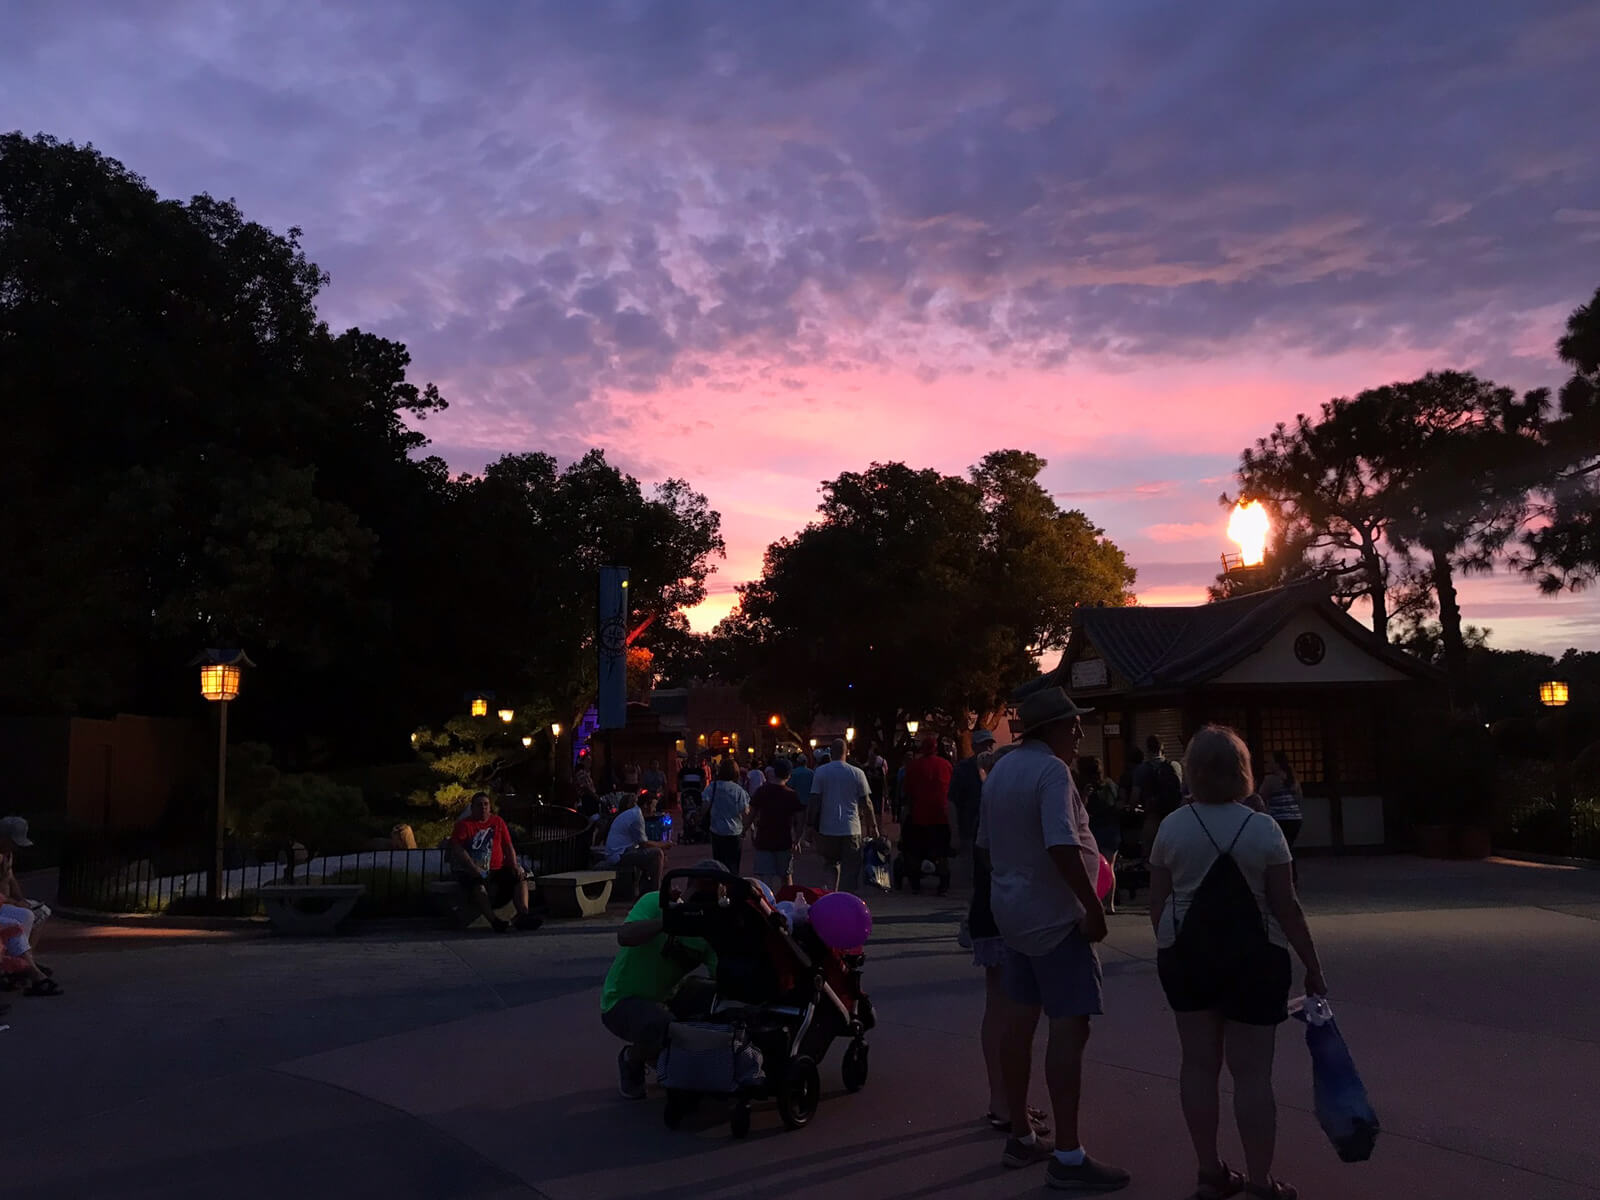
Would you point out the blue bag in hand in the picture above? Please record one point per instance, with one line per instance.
(1343, 1110)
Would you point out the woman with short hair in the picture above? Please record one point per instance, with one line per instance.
(729, 806)
(1227, 1005)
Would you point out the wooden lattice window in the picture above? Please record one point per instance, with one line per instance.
(1298, 733)
(1354, 746)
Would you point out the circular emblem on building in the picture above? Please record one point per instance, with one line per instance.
(1309, 648)
(614, 635)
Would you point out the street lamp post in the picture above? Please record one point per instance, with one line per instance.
(1554, 693)
(912, 727)
(220, 674)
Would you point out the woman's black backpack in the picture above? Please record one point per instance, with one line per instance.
(1223, 928)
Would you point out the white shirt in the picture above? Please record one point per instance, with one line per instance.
(755, 781)
(729, 803)
(627, 831)
(1030, 804)
(1183, 847)
(840, 787)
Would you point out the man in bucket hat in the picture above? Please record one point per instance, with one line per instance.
(1044, 862)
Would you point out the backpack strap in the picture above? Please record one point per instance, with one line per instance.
(1203, 829)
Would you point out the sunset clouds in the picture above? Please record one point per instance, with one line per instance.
(757, 245)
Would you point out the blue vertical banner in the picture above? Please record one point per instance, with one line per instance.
(613, 642)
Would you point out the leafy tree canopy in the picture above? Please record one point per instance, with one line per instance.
(919, 592)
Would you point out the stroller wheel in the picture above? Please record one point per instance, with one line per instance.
(739, 1119)
(799, 1092)
(854, 1066)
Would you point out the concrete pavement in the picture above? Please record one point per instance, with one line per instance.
(417, 1063)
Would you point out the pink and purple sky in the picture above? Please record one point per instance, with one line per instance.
(759, 244)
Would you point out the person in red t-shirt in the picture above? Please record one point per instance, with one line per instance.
(485, 865)
(925, 833)
(779, 816)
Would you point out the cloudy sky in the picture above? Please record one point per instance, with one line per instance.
(758, 243)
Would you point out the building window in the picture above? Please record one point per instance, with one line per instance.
(1298, 733)
(1354, 746)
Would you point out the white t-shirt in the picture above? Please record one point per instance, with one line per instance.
(729, 803)
(756, 780)
(1030, 804)
(840, 787)
(627, 831)
(1183, 847)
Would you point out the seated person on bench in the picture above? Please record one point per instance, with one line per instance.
(627, 847)
(647, 987)
(484, 863)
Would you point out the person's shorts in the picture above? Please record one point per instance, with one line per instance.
(1065, 982)
(16, 914)
(1258, 994)
(643, 1022)
(834, 846)
(501, 884)
(779, 863)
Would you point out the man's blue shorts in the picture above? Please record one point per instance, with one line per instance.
(1065, 982)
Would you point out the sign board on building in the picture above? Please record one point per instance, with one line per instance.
(1113, 729)
(1089, 673)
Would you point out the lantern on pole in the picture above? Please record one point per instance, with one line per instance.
(912, 727)
(221, 672)
(478, 703)
(1554, 693)
(527, 741)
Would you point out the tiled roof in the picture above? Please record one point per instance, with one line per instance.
(1181, 647)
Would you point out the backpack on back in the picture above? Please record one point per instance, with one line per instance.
(1169, 791)
(1223, 927)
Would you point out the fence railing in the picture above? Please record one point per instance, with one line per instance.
(146, 873)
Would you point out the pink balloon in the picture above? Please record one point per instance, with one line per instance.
(841, 920)
(1105, 880)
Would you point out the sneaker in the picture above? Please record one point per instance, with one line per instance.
(499, 926)
(630, 1077)
(1087, 1176)
(1020, 1154)
(527, 922)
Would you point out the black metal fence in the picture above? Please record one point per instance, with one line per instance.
(151, 873)
(1564, 830)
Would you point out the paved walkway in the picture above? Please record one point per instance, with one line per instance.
(411, 1063)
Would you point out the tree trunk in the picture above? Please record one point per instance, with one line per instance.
(1378, 589)
(1455, 647)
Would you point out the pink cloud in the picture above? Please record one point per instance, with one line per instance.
(1174, 531)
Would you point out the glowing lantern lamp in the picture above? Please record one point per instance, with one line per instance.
(527, 742)
(774, 720)
(912, 727)
(480, 707)
(507, 714)
(813, 743)
(1553, 693)
(850, 734)
(220, 675)
(555, 729)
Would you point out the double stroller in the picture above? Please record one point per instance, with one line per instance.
(782, 998)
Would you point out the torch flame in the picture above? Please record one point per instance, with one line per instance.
(1249, 526)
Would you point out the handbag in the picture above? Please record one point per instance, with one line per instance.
(1338, 1095)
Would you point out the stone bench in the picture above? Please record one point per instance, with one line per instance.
(450, 899)
(577, 893)
(309, 909)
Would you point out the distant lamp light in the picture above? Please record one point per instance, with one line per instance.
(912, 727)
(555, 729)
(527, 742)
(413, 739)
(850, 734)
(480, 707)
(813, 743)
(1553, 693)
(774, 720)
(507, 715)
